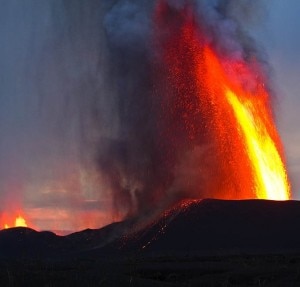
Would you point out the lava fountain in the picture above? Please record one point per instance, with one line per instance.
(224, 97)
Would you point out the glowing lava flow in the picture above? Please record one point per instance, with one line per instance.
(256, 130)
(221, 98)
(268, 168)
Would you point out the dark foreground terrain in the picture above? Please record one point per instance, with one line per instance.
(197, 243)
(238, 270)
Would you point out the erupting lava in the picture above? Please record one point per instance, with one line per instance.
(222, 97)
(19, 222)
(252, 119)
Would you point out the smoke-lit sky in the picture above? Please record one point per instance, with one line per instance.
(52, 99)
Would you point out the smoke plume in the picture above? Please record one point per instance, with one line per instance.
(95, 117)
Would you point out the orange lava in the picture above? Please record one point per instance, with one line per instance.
(222, 98)
(247, 138)
(18, 221)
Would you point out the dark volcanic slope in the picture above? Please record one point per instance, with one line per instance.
(23, 242)
(221, 227)
(207, 227)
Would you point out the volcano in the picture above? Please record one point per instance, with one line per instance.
(197, 231)
(217, 227)
(174, 105)
(193, 228)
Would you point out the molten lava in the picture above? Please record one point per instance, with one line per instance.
(252, 119)
(267, 165)
(220, 99)
(19, 221)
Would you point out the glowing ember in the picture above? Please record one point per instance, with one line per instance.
(223, 98)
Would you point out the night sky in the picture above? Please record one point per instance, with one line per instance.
(48, 61)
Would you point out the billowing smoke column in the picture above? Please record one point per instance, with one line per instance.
(195, 112)
(128, 106)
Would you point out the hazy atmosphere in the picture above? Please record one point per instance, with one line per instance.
(65, 131)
